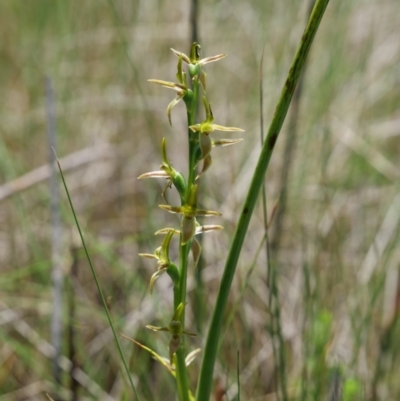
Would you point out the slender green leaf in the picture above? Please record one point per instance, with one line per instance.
(98, 284)
(210, 351)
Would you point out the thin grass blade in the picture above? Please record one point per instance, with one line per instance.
(97, 283)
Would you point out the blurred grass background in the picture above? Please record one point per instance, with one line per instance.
(335, 249)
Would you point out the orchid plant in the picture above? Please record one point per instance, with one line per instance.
(188, 88)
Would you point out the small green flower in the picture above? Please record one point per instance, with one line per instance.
(167, 171)
(195, 56)
(195, 246)
(161, 254)
(183, 92)
(176, 330)
(188, 211)
(195, 63)
(206, 142)
(207, 126)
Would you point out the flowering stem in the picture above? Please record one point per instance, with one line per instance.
(184, 249)
(199, 146)
(183, 256)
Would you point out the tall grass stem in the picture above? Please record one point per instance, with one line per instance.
(207, 367)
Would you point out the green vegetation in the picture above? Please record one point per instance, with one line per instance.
(316, 317)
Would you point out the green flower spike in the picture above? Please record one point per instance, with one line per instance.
(181, 87)
(195, 63)
(161, 254)
(195, 246)
(189, 210)
(206, 142)
(176, 330)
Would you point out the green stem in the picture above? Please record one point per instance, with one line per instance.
(181, 376)
(193, 137)
(183, 260)
(210, 351)
(176, 296)
(180, 297)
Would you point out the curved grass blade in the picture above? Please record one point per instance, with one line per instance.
(210, 351)
(97, 282)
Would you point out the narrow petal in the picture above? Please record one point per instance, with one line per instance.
(154, 174)
(216, 127)
(195, 128)
(188, 333)
(166, 231)
(185, 58)
(173, 104)
(159, 357)
(226, 142)
(208, 228)
(211, 59)
(191, 356)
(147, 255)
(155, 328)
(154, 277)
(199, 229)
(171, 209)
(167, 84)
(200, 212)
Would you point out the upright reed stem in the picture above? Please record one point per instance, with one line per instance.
(210, 351)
